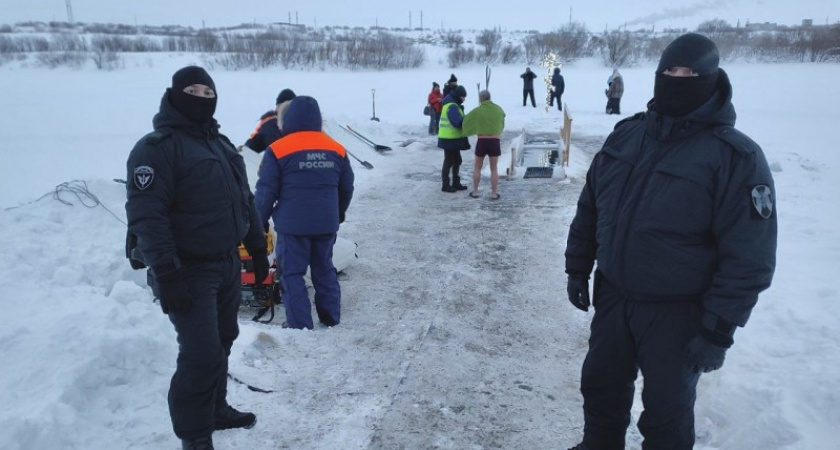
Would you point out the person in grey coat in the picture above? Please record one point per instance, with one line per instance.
(614, 93)
(679, 212)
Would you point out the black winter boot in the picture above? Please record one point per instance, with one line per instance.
(456, 183)
(201, 443)
(580, 446)
(227, 417)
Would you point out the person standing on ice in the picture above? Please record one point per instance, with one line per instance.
(188, 207)
(305, 185)
(487, 121)
(452, 140)
(558, 86)
(434, 100)
(678, 211)
(614, 92)
(528, 86)
(270, 127)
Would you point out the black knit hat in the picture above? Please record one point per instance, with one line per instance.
(460, 91)
(434, 84)
(691, 50)
(284, 95)
(189, 76)
(452, 79)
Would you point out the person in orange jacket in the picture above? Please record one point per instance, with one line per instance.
(434, 102)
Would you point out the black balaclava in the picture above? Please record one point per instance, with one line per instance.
(285, 95)
(197, 109)
(678, 96)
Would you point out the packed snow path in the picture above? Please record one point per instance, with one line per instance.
(460, 303)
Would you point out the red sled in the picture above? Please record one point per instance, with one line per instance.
(259, 295)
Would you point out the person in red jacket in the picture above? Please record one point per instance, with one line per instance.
(434, 102)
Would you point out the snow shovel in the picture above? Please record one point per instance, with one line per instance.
(364, 163)
(373, 98)
(377, 147)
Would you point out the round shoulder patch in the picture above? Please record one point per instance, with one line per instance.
(762, 200)
(143, 177)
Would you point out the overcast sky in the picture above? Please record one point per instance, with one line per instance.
(542, 15)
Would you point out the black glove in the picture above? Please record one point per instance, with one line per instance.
(260, 261)
(706, 351)
(578, 289)
(173, 292)
(340, 217)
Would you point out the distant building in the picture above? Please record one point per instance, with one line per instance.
(807, 23)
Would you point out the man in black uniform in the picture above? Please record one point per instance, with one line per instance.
(678, 210)
(189, 205)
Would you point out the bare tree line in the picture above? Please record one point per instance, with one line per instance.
(256, 47)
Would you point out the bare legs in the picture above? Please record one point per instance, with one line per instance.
(494, 175)
(479, 163)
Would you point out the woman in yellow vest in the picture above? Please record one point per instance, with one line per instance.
(451, 138)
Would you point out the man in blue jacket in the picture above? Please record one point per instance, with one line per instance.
(679, 212)
(305, 185)
(189, 206)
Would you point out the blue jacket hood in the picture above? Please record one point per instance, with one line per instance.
(303, 114)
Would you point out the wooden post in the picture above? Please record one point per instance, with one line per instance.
(511, 171)
(566, 134)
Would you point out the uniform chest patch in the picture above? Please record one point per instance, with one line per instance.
(762, 201)
(143, 177)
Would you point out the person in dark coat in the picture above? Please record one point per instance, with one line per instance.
(452, 140)
(450, 85)
(188, 207)
(558, 86)
(269, 129)
(305, 186)
(679, 213)
(528, 86)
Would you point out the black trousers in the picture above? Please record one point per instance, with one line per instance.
(629, 335)
(528, 93)
(451, 163)
(555, 95)
(614, 106)
(205, 335)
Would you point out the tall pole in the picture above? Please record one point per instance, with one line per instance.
(69, 12)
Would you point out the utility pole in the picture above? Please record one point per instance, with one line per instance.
(69, 12)
(409, 20)
(421, 20)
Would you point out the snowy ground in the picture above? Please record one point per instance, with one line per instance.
(456, 332)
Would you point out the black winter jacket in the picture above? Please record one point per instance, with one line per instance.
(558, 83)
(188, 194)
(680, 210)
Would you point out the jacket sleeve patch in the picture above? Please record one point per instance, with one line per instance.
(762, 202)
(143, 177)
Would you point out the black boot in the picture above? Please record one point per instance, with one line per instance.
(456, 184)
(201, 443)
(227, 417)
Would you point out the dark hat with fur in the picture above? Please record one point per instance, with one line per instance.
(285, 95)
